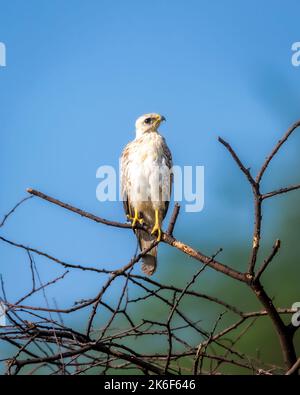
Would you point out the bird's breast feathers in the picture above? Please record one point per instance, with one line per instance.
(145, 168)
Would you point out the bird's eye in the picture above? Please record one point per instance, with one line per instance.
(148, 120)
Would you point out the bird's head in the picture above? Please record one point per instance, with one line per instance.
(148, 123)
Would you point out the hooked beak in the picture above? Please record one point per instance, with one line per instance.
(160, 118)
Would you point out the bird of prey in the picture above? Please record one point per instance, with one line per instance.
(146, 183)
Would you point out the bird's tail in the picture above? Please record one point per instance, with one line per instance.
(150, 259)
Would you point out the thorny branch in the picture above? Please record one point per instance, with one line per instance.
(43, 340)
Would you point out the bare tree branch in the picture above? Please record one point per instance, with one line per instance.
(40, 337)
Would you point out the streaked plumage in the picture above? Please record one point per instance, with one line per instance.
(146, 182)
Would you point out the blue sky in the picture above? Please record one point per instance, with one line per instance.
(78, 75)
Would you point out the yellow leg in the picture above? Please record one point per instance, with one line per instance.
(156, 227)
(135, 219)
